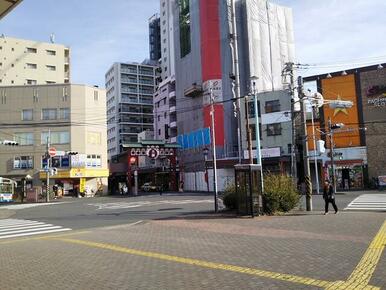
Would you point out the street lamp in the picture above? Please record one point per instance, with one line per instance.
(205, 151)
(333, 127)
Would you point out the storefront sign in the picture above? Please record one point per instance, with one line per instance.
(216, 86)
(376, 96)
(270, 152)
(82, 184)
(150, 151)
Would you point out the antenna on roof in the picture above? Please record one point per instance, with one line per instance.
(52, 38)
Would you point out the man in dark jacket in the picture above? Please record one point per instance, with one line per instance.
(329, 196)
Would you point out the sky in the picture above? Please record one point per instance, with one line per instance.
(327, 33)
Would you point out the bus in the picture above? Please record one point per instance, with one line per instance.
(7, 189)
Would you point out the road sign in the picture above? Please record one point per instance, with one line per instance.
(52, 152)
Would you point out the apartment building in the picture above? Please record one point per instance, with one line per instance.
(71, 117)
(155, 38)
(28, 62)
(130, 88)
(165, 114)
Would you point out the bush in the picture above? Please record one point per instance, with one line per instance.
(280, 194)
(229, 197)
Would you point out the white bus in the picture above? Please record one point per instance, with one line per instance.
(7, 189)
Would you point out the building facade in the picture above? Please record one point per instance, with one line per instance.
(155, 38)
(6, 6)
(69, 117)
(359, 157)
(28, 62)
(130, 88)
(165, 114)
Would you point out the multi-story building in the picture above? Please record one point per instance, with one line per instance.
(6, 6)
(275, 130)
(155, 38)
(28, 62)
(203, 63)
(359, 147)
(166, 62)
(130, 88)
(69, 117)
(165, 114)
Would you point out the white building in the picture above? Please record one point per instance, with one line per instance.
(28, 62)
(167, 38)
(130, 88)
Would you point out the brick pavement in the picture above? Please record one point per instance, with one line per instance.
(327, 248)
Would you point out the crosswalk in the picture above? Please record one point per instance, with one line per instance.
(12, 228)
(123, 205)
(368, 202)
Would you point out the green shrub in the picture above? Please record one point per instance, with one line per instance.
(280, 194)
(229, 197)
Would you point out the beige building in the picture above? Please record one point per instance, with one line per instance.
(72, 116)
(28, 62)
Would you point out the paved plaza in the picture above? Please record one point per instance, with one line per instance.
(192, 248)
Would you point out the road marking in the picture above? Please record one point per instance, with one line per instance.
(368, 202)
(31, 205)
(122, 205)
(13, 228)
(12, 241)
(201, 263)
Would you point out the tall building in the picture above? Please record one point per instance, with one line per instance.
(167, 66)
(203, 64)
(155, 38)
(130, 88)
(165, 114)
(73, 117)
(28, 62)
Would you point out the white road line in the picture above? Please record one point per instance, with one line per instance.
(122, 205)
(368, 202)
(11, 228)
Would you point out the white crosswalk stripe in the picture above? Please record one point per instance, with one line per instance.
(121, 205)
(12, 228)
(368, 202)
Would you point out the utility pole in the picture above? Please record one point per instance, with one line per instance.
(306, 161)
(214, 151)
(332, 154)
(315, 156)
(249, 134)
(48, 166)
(236, 74)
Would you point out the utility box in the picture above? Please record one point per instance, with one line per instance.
(248, 179)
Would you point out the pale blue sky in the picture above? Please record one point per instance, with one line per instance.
(102, 32)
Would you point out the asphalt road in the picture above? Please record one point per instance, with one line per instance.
(115, 210)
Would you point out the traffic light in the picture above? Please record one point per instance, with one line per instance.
(72, 153)
(9, 143)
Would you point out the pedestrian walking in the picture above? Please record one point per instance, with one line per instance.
(329, 197)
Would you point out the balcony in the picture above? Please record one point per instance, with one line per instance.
(172, 95)
(193, 91)
(172, 109)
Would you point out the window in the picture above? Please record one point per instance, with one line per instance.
(64, 113)
(165, 115)
(96, 97)
(185, 42)
(51, 67)
(23, 162)
(51, 52)
(273, 129)
(32, 65)
(56, 137)
(24, 139)
(31, 50)
(272, 106)
(49, 114)
(27, 115)
(31, 82)
(159, 118)
(50, 82)
(159, 132)
(253, 132)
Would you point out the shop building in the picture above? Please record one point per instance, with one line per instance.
(72, 118)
